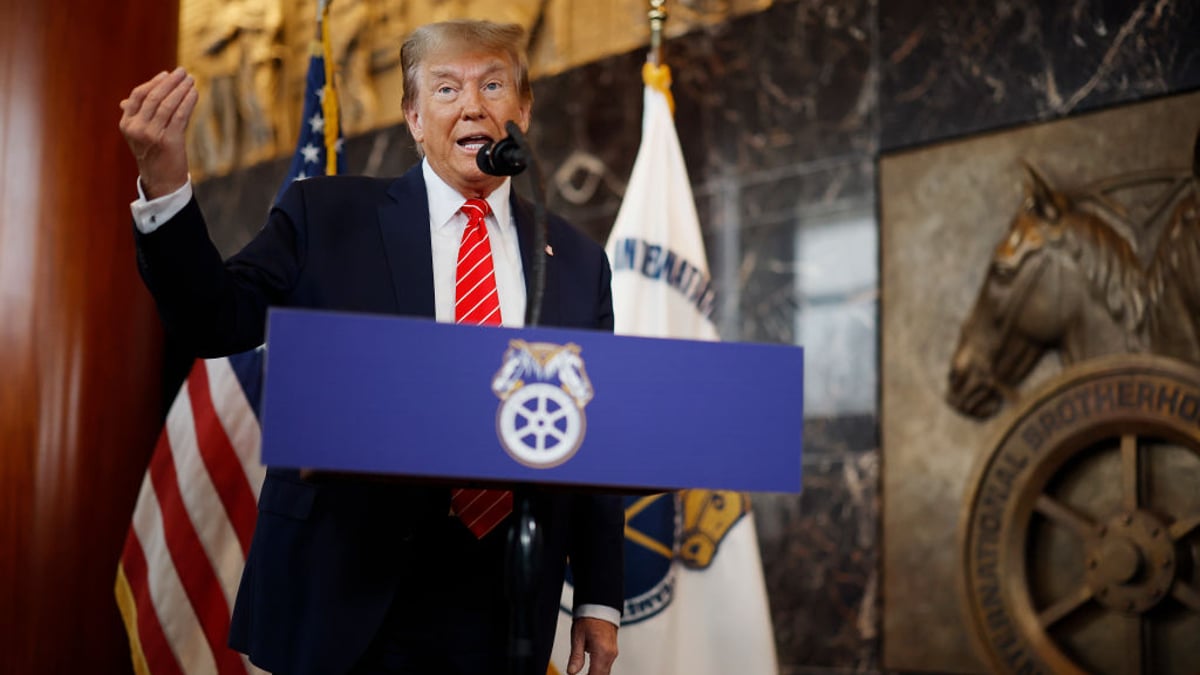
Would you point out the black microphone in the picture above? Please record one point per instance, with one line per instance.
(504, 157)
(508, 157)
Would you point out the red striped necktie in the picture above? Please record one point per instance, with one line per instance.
(476, 301)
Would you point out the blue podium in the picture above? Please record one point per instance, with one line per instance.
(415, 398)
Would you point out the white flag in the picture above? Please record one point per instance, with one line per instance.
(695, 603)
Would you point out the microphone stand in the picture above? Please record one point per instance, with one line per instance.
(522, 570)
(524, 545)
(533, 308)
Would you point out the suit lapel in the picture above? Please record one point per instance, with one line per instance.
(404, 226)
(523, 217)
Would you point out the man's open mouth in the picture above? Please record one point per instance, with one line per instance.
(474, 143)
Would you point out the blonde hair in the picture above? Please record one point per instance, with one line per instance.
(508, 39)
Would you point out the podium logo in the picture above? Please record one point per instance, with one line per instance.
(543, 389)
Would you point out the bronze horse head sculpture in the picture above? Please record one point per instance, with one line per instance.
(1062, 278)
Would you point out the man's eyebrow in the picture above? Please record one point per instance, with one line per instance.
(456, 73)
(495, 66)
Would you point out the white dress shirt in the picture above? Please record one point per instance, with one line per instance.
(446, 225)
(150, 214)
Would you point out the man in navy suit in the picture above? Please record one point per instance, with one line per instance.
(351, 574)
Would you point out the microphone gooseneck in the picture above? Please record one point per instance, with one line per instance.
(510, 156)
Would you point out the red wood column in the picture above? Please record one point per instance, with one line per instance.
(80, 345)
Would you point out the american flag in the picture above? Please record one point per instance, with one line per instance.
(192, 524)
(320, 129)
(194, 518)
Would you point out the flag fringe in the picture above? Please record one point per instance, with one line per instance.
(329, 103)
(128, 607)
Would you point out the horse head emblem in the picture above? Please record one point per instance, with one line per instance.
(542, 362)
(1067, 277)
(708, 515)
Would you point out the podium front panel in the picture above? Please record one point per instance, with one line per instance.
(412, 397)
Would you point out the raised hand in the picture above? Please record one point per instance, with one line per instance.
(153, 121)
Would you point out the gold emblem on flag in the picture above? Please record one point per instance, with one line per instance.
(708, 516)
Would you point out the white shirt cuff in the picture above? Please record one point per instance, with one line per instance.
(150, 214)
(604, 612)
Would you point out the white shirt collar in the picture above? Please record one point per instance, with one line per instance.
(445, 202)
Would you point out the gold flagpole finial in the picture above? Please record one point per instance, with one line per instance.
(655, 73)
(658, 17)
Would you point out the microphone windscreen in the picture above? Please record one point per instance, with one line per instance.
(501, 158)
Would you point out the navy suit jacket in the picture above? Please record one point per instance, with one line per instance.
(335, 558)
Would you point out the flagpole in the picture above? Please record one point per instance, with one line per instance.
(329, 102)
(658, 17)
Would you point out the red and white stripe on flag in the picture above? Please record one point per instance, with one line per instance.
(191, 529)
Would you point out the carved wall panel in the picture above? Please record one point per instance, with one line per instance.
(1013, 303)
(249, 58)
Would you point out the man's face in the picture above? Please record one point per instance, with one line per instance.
(463, 100)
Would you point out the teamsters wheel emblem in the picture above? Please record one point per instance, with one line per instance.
(1081, 533)
(543, 389)
(540, 425)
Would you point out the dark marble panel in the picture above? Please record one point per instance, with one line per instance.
(386, 152)
(783, 87)
(587, 123)
(236, 206)
(768, 300)
(949, 69)
(804, 191)
(768, 92)
(791, 288)
(820, 564)
(842, 436)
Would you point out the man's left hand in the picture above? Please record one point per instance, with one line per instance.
(598, 638)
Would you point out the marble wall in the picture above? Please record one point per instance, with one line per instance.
(950, 69)
(783, 116)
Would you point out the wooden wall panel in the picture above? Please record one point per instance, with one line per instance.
(80, 345)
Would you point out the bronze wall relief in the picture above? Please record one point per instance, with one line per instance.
(250, 57)
(1072, 455)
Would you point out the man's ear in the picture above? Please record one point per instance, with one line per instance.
(526, 110)
(413, 118)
